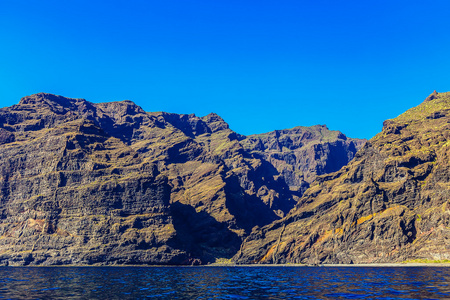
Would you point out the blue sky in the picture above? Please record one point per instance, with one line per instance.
(262, 65)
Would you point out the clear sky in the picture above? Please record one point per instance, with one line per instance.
(262, 65)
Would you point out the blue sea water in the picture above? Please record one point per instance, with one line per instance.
(224, 282)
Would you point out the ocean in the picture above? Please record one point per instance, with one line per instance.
(271, 282)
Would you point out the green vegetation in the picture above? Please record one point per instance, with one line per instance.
(223, 261)
(425, 109)
(427, 261)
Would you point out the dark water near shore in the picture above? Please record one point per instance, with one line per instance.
(225, 283)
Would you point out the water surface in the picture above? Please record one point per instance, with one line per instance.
(224, 282)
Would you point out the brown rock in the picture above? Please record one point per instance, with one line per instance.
(108, 183)
(390, 204)
(301, 154)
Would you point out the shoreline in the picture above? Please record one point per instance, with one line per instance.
(334, 265)
(368, 265)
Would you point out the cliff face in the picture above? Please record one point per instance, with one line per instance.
(73, 194)
(301, 154)
(390, 204)
(85, 183)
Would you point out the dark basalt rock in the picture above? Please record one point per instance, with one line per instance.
(108, 183)
(389, 204)
(301, 154)
(6, 136)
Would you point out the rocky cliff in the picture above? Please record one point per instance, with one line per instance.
(108, 183)
(301, 154)
(390, 204)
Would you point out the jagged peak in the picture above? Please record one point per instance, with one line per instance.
(215, 122)
(55, 104)
(315, 130)
(431, 97)
(49, 99)
(122, 103)
(124, 107)
(435, 103)
(212, 117)
(178, 116)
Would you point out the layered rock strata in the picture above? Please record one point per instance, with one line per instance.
(390, 204)
(301, 154)
(108, 183)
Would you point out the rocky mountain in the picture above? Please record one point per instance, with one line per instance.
(301, 154)
(108, 183)
(389, 204)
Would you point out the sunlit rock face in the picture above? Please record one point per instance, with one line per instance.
(389, 204)
(108, 183)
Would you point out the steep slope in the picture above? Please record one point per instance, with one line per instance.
(390, 204)
(301, 154)
(72, 194)
(111, 184)
(108, 183)
(218, 192)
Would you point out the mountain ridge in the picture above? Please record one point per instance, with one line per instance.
(389, 204)
(108, 183)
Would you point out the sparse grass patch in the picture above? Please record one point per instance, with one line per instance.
(427, 261)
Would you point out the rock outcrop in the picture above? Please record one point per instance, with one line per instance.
(73, 193)
(108, 183)
(301, 154)
(389, 204)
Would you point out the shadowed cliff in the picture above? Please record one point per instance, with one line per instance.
(108, 183)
